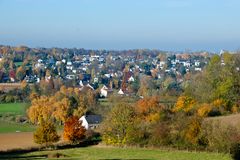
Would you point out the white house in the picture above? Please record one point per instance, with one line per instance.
(121, 92)
(64, 60)
(107, 75)
(95, 80)
(39, 65)
(74, 71)
(58, 63)
(81, 83)
(186, 64)
(104, 91)
(69, 65)
(131, 79)
(198, 69)
(40, 61)
(90, 121)
(197, 63)
(94, 57)
(12, 79)
(70, 76)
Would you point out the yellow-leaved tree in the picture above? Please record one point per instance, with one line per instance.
(204, 110)
(193, 130)
(184, 103)
(46, 133)
(117, 127)
(41, 109)
(48, 108)
(61, 109)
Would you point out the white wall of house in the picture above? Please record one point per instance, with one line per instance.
(84, 122)
(121, 92)
(104, 93)
(131, 79)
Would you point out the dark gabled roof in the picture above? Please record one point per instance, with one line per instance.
(93, 119)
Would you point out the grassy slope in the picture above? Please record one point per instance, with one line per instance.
(91, 153)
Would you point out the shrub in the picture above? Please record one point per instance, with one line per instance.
(204, 110)
(184, 103)
(92, 135)
(118, 124)
(235, 151)
(160, 134)
(193, 130)
(46, 134)
(218, 136)
(9, 99)
(137, 134)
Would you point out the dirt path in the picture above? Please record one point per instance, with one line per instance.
(16, 140)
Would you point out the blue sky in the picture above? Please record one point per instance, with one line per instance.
(122, 24)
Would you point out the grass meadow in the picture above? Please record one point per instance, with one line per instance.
(9, 113)
(112, 153)
(11, 127)
(13, 109)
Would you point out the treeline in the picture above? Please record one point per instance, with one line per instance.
(149, 122)
(216, 90)
(24, 91)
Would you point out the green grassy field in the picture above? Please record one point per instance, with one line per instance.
(13, 108)
(11, 127)
(94, 153)
(8, 113)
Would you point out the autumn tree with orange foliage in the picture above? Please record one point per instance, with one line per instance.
(73, 130)
(149, 108)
